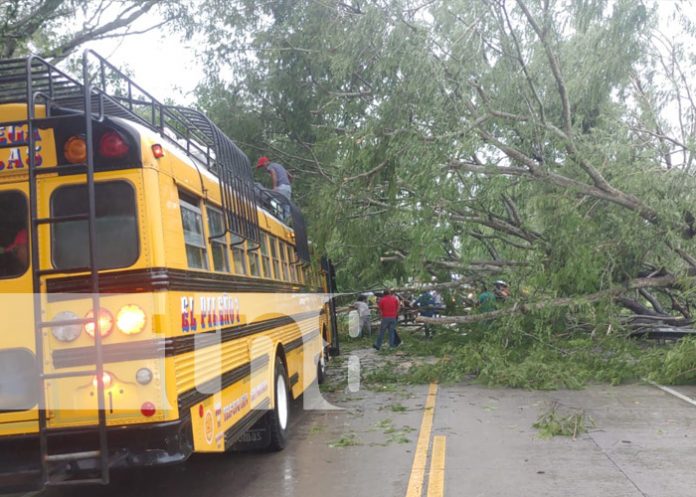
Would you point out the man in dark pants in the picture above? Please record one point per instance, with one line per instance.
(389, 309)
(426, 306)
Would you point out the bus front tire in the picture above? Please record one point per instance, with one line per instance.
(279, 416)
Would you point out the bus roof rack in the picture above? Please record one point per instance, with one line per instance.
(272, 201)
(113, 93)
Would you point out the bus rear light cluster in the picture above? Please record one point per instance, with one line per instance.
(66, 332)
(143, 376)
(111, 145)
(106, 380)
(75, 150)
(130, 319)
(105, 323)
(148, 409)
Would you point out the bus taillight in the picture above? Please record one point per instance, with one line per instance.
(106, 323)
(106, 380)
(75, 150)
(112, 145)
(130, 319)
(148, 409)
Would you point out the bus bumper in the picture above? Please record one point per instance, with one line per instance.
(129, 447)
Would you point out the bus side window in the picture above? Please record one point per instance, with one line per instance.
(285, 259)
(253, 252)
(239, 255)
(275, 258)
(14, 256)
(300, 271)
(194, 237)
(265, 259)
(291, 262)
(218, 246)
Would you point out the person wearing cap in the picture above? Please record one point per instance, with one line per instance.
(487, 300)
(364, 315)
(19, 249)
(502, 290)
(281, 179)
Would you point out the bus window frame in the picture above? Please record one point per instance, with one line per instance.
(253, 254)
(265, 255)
(136, 216)
(285, 259)
(184, 203)
(220, 241)
(276, 261)
(25, 197)
(238, 245)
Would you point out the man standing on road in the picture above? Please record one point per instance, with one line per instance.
(389, 309)
(426, 306)
(280, 178)
(364, 315)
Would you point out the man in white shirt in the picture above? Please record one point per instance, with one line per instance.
(364, 315)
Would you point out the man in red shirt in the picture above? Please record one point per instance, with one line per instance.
(389, 309)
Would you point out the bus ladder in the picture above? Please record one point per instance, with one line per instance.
(64, 468)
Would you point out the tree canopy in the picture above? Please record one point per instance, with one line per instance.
(548, 142)
(56, 28)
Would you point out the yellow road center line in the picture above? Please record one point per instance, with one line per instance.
(415, 481)
(436, 478)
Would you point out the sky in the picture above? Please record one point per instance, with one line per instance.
(167, 67)
(162, 63)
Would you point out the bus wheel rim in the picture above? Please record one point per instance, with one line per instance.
(282, 402)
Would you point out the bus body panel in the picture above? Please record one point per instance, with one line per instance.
(210, 338)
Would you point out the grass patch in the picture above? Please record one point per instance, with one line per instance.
(346, 440)
(555, 423)
(397, 407)
(394, 434)
(529, 352)
(557, 362)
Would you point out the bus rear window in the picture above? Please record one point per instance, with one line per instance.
(14, 239)
(116, 226)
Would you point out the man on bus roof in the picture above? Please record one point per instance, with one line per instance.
(281, 179)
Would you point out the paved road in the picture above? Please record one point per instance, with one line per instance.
(642, 445)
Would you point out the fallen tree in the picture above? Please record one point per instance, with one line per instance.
(459, 142)
(526, 307)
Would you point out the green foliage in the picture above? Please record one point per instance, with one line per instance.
(346, 440)
(678, 366)
(393, 117)
(567, 424)
(397, 407)
(57, 28)
(543, 361)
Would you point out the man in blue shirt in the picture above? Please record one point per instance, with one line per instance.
(281, 179)
(426, 304)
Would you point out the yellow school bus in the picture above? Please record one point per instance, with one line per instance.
(155, 301)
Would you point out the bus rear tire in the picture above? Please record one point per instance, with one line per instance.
(279, 416)
(321, 368)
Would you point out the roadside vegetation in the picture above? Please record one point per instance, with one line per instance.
(511, 356)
